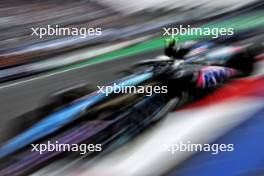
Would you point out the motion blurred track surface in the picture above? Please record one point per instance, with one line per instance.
(19, 98)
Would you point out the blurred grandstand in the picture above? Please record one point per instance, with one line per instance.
(119, 22)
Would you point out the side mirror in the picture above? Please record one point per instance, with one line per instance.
(157, 60)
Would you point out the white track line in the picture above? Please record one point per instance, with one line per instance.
(102, 51)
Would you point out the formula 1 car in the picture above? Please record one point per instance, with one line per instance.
(80, 115)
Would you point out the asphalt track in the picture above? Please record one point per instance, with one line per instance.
(18, 98)
(23, 95)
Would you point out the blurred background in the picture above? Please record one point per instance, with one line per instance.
(32, 68)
